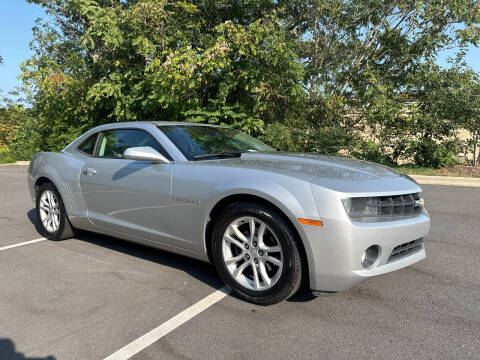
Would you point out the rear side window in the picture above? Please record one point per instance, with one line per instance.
(88, 146)
(113, 143)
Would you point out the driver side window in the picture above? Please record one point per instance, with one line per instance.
(113, 143)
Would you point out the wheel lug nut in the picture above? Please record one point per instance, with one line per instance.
(247, 256)
(254, 244)
(260, 252)
(255, 260)
(246, 246)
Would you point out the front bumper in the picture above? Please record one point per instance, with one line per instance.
(336, 249)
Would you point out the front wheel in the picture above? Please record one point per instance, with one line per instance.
(51, 213)
(256, 254)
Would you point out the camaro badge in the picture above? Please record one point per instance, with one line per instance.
(419, 203)
(193, 202)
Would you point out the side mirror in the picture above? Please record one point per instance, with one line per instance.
(145, 153)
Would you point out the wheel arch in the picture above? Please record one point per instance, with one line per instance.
(43, 179)
(244, 197)
(39, 182)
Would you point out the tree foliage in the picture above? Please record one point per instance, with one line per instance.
(329, 76)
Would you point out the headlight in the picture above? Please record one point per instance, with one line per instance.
(383, 207)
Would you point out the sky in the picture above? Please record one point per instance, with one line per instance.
(17, 18)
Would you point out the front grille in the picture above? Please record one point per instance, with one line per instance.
(398, 205)
(383, 208)
(403, 250)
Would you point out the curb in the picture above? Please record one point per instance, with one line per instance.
(22, 163)
(446, 180)
(17, 163)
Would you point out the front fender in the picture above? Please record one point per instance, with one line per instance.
(293, 198)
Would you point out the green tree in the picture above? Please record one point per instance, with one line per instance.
(360, 56)
(105, 61)
(329, 76)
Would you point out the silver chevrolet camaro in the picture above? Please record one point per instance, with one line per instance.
(269, 221)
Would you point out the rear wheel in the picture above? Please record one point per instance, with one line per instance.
(53, 219)
(256, 254)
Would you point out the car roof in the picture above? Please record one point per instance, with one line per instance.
(144, 125)
(170, 123)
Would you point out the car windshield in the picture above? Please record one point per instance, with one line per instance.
(204, 142)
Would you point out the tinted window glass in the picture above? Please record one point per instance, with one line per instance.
(194, 140)
(113, 143)
(88, 146)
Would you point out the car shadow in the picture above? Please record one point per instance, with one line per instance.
(130, 169)
(32, 216)
(9, 352)
(200, 270)
(302, 295)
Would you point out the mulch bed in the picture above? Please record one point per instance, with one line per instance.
(460, 170)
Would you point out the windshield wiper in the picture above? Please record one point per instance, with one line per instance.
(219, 155)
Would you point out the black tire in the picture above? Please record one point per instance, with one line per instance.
(291, 276)
(65, 229)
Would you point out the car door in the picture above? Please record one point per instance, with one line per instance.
(128, 196)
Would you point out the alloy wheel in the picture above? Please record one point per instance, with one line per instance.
(49, 211)
(252, 253)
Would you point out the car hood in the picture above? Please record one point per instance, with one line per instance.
(343, 175)
(312, 165)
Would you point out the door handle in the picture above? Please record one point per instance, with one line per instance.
(89, 171)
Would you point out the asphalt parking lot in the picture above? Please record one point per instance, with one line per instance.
(88, 297)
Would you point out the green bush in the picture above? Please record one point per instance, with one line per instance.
(279, 136)
(371, 151)
(326, 140)
(6, 157)
(27, 142)
(428, 153)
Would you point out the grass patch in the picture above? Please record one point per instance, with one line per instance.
(418, 170)
(6, 157)
(455, 170)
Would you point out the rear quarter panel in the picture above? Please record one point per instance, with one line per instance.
(63, 170)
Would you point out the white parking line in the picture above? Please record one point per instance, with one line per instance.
(22, 244)
(156, 334)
